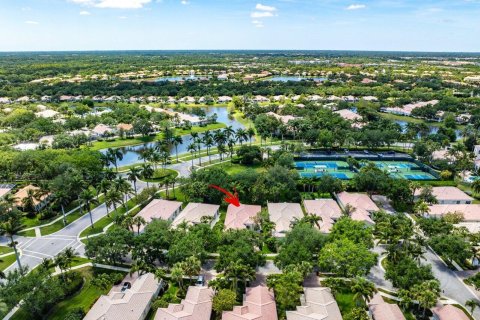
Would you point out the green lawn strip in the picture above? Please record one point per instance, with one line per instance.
(346, 302)
(6, 261)
(57, 226)
(161, 174)
(179, 196)
(234, 168)
(464, 310)
(5, 249)
(28, 233)
(105, 221)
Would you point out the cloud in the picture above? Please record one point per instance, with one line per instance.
(184, 2)
(31, 22)
(113, 4)
(262, 7)
(356, 7)
(123, 17)
(257, 23)
(85, 13)
(261, 14)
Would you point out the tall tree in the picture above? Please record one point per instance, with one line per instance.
(87, 198)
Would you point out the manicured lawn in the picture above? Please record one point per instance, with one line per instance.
(160, 175)
(6, 261)
(234, 168)
(105, 221)
(179, 196)
(28, 233)
(345, 301)
(77, 261)
(83, 299)
(5, 249)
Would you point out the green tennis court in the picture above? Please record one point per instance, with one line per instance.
(337, 169)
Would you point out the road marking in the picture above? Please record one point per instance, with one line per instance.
(39, 253)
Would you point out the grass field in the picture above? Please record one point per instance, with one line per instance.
(5, 249)
(6, 261)
(346, 302)
(161, 174)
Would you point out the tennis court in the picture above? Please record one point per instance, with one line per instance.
(404, 169)
(312, 169)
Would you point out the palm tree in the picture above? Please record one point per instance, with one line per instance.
(112, 198)
(147, 172)
(164, 158)
(176, 273)
(208, 142)
(10, 228)
(156, 158)
(146, 155)
(139, 221)
(28, 203)
(192, 148)
(123, 186)
(421, 208)
(115, 155)
(128, 223)
(229, 132)
(476, 186)
(61, 198)
(348, 210)
(362, 288)
(241, 135)
(134, 174)
(251, 134)
(176, 141)
(191, 267)
(313, 220)
(238, 271)
(87, 197)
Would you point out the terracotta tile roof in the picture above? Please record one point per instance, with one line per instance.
(448, 194)
(240, 217)
(258, 304)
(159, 209)
(449, 312)
(361, 202)
(327, 209)
(23, 193)
(197, 305)
(381, 310)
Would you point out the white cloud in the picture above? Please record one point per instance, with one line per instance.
(356, 7)
(31, 22)
(114, 4)
(261, 14)
(85, 13)
(262, 7)
(258, 23)
(184, 2)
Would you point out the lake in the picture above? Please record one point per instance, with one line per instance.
(433, 129)
(294, 78)
(131, 154)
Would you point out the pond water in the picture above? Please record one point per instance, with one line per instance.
(433, 129)
(131, 154)
(294, 78)
(179, 78)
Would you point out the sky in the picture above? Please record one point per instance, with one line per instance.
(386, 25)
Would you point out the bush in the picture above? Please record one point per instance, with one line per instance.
(76, 314)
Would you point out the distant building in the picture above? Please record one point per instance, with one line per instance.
(448, 195)
(380, 310)
(123, 303)
(282, 214)
(38, 202)
(194, 212)
(241, 217)
(258, 304)
(197, 305)
(101, 130)
(471, 212)
(317, 304)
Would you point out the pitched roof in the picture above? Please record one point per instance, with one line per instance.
(23, 193)
(194, 212)
(318, 304)
(282, 214)
(471, 212)
(327, 209)
(348, 115)
(448, 194)
(258, 303)
(240, 217)
(130, 304)
(362, 204)
(197, 305)
(384, 311)
(449, 312)
(159, 209)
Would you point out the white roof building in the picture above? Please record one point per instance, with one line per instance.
(194, 212)
(282, 214)
(318, 303)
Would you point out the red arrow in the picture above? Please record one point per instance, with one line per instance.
(230, 198)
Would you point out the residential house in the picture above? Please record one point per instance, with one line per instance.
(471, 212)
(224, 99)
(197, 305)
(327, 209)
(130, 300)
(361, 205)
(282, 214)
(160, 209)
(194, 212)
(101, 130)
(4, 100)
(47, 113)
(380, 310)
(407, 109)
(5, 189)
(241, 217)
(448, 195)
(125, 127)
(258, 304)
(449, 312)
(318, 303)
(282, 119)
(38, 202)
